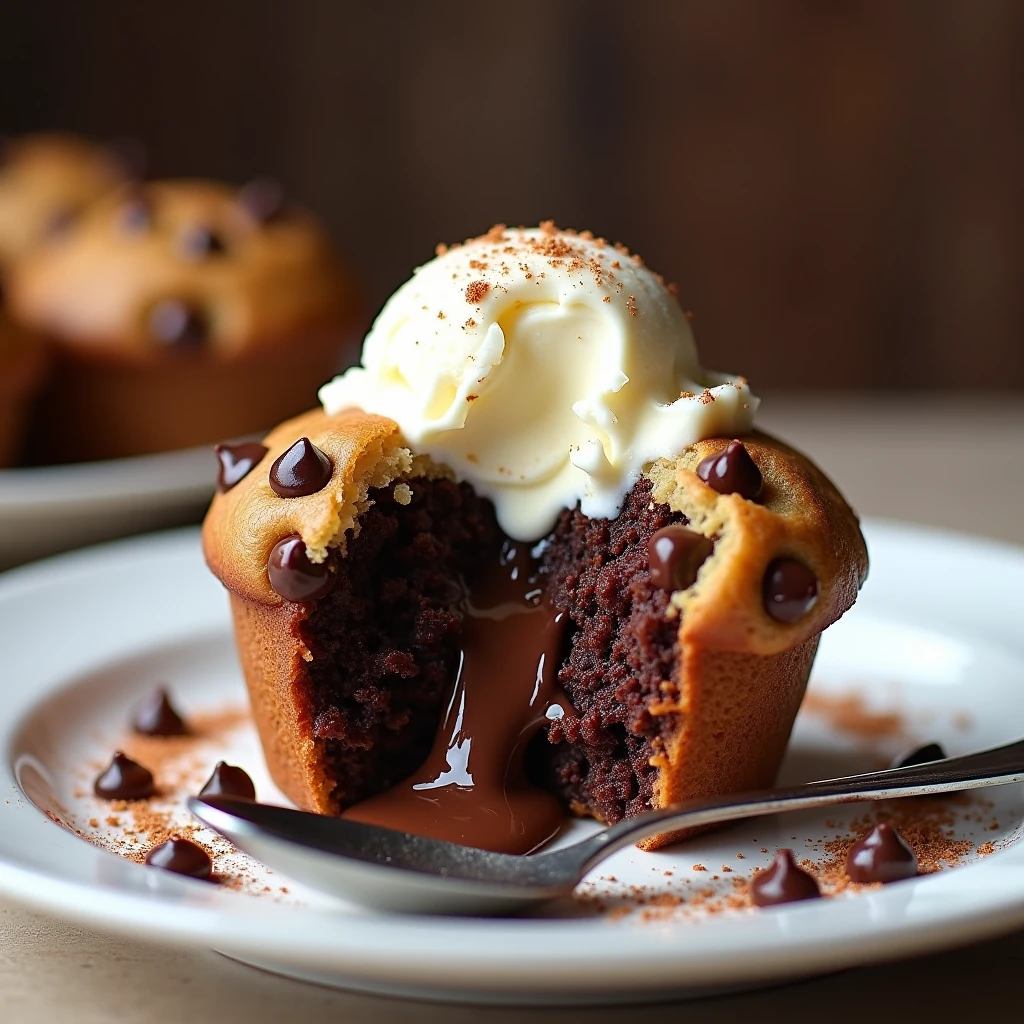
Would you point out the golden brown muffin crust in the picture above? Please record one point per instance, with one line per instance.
(45, 179)
(255, 284)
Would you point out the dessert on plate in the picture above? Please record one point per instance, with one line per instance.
(181, 312)
(46, 181)
(528, 556)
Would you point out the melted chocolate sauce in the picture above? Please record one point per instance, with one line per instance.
(472, 789)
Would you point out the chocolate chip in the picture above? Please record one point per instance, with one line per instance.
(674, 556)
(881, 855)
(920, 755)
(732, 471)
(135, 216)
(156, 716)
(300, 471)
(783, 882)
(790, 590)
(199, 241)
(293, 575)
(263, 199)
(236, 462)
(124, 779)
(181, 856)
(60, 223)
(229, 780)
(177, 324)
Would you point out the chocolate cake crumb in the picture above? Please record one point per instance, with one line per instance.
(849, 712)
(385, 640)
(621, 651)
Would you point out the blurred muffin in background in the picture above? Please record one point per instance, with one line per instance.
(46, 181)
(180, 313)
(22, 364)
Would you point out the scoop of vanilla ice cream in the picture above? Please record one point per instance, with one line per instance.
(546, 368)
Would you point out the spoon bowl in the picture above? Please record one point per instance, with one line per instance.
(401, 872)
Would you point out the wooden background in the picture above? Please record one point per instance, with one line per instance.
(837, 187)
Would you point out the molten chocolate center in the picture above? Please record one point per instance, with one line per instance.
(472, 789)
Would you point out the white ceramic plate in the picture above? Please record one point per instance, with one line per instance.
(56, 508)
(936, 636)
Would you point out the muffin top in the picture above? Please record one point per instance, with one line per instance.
(793, 523)
(45, 182)
(187, 267)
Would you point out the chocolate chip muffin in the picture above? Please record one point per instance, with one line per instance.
(675, 640)
(182, 312)
(46, 181)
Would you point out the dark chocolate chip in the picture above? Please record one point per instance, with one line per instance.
(881, 856)
(263, 199)
(60, 223)
(790, 590)
(229, 780)
(237, 461)
(200, 241)
(135, 216)
(124, 779)
(674, 555)
(178, 325)
(920, 755)
(156, 716)
(783, 882)
(181, 856)
(732, 471)
(293, 575)
(300, 471)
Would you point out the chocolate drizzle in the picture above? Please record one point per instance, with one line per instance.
(472, 789)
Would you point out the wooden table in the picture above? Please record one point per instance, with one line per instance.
(949, 461)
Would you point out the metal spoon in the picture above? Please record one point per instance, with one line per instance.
(396, 871)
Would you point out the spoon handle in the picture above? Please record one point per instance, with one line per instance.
(994, 767)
